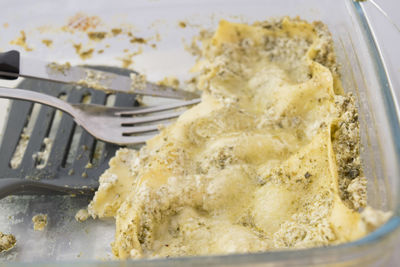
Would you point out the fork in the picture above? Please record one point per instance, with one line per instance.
(109, 124)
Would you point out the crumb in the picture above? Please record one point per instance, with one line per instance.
(5, 25)
(96, 36)
(87, 54)
(78, 48)
(139, 99)
(194, 48)
(127, 59)
(59, 67)
(47, 42)
(116, 31)
(138, 40)
(89, 165)
(82, 215)
(94, 80)
(7, 241)
(139, 81)
(20, 150)
(39, 222)
(169, 81)
(101, 51)
(182, 24)
(126, 62)
(83, 22)
(21, 41)
(83, 54)
(41, 157)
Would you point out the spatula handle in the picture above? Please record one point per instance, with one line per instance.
(11, 186)
(9, 65)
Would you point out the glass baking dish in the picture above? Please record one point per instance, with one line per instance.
(363, 73)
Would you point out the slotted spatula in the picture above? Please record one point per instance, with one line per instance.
(75, 160)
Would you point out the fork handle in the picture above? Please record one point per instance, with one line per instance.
(32, 96)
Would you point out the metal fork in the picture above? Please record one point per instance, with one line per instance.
(109, 124)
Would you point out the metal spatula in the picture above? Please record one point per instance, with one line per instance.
(76, 159)
(12, 66)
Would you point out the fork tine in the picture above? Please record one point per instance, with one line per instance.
(159, 108)
(100, 122)
(126, 121)
(130, 140)
(140, 129)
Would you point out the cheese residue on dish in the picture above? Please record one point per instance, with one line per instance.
(82, 215)
(7, 242)
(268, 160)
(39, 222)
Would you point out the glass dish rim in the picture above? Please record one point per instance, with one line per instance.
(382, 232)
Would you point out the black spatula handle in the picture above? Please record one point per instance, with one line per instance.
(9, 65)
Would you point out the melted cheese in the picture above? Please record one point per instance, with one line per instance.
(251, 168)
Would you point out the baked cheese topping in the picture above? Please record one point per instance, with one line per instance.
(268, 160)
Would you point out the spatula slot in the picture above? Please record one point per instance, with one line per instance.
(41, 157)
(24, 136)
(76, 136)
